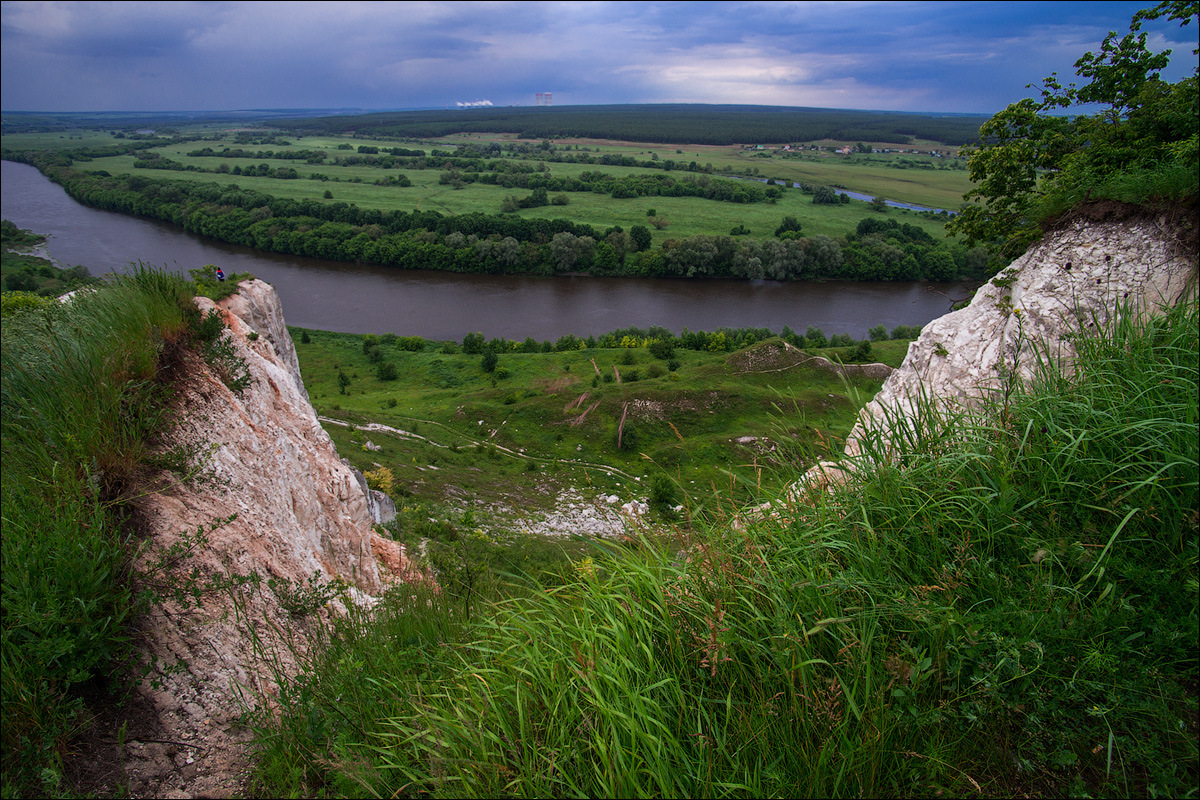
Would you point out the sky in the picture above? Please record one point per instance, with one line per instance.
(974, 57)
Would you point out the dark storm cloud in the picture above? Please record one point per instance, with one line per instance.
(973, 56)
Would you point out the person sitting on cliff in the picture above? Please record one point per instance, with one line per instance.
(220, 275)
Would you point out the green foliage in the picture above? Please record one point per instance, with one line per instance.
(473, 343)
(664, 496)
(25, 274)
(788, 225)
(718, 124)
(386, 371)
(303, 598)
(17, 302)
(80, 402)
(823, 195)
(11, 236)
(958, 620)
(1141, 147)
(489, 361)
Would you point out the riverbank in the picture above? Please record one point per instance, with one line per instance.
(362, 299)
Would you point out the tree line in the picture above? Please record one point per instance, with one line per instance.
(879, 249)
(675, 123)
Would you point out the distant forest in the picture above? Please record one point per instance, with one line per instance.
(675, 124)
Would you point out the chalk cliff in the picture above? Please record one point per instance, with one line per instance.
(1074, 280)
(301, 513)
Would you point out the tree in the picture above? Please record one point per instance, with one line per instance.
(789, 223)
(473, 343)
(640, 235)
(489, 361)
(823, 195)
(1140, 147)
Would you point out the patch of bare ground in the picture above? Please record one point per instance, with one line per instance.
(556, 385)
(1178, 217)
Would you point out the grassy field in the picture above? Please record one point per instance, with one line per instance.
(719, 426)
(939, 188)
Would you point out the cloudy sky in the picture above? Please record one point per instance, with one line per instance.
(910, 56)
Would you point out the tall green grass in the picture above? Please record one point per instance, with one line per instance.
(82, 401)
(1006, 606)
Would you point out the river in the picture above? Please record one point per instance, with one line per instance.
(356, 298)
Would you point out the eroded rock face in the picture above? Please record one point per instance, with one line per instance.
(300, 513)
(1074, 280)
(257, 305)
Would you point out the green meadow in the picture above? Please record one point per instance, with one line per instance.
(911, 178)
(718, 424)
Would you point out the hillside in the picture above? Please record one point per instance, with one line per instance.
(895, 625)
(832, 622)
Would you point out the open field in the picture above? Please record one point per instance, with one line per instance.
(938, 185)
(723, 424)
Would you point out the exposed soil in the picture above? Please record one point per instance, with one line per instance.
(1180, 217)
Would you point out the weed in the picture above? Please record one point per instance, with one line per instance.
(957, 621)
(303, 598)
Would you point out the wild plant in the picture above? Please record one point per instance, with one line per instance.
(999, 603)
(84, 401)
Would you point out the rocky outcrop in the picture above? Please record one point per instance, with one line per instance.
(381, 507)
(1078, 278)
(257, 305)
(302, 520)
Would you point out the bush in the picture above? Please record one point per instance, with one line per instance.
(906, 332)
(662, 349)
(664, 496)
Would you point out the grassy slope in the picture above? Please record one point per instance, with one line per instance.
(1010, 610)
(687, 428)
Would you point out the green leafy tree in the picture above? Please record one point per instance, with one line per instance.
(789, 224)
(823, 195)
(489, 361)
(473, 343)
(1141, 146)
(640, 235)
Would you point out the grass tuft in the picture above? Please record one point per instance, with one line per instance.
(1006, 603)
